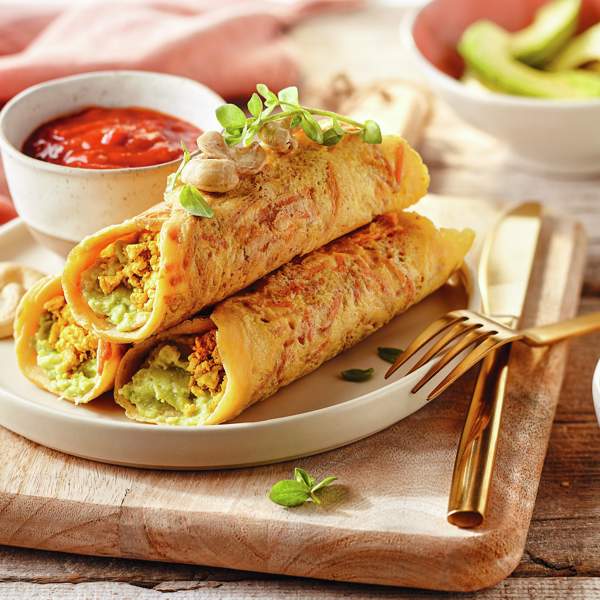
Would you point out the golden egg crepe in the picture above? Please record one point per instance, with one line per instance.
(56, 353)
(131, 280)
(208, 370)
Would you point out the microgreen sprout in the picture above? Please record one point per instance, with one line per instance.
(282, 111)
(265, 107)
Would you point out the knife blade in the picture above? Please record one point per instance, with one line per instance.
(507, 260)
(504, 271)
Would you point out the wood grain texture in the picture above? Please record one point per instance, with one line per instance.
(562, 541)
(384, 524)
(512, 589)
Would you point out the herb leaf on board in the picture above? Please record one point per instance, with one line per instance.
(290, 493)
(303, 477)
(297, 491)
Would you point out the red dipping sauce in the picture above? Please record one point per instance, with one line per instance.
(111, 138)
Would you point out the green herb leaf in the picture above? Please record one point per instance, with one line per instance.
(303, 477)
(371, 133)
(331, 137)
(297, 491)
(296, 119)
(357, 375)
(323, 483)
(186, 153)
(255, 105)
(250, 133)
(389, 354)
(267, 94)
(289, 95)
(285, 107)
(231, 116)
(265, 113)
(335, 125)
(232, 137)
(311, 128)
(289, 492)
(263, 90)
(193, 201)
(172, 181)
(173, 178)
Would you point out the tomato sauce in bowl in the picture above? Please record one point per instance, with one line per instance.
(111, 138)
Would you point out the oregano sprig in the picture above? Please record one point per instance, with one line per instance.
(265, 107)
(297, 491)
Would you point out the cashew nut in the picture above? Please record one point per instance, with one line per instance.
(15, 280)
(249, 160)
(212, 145)
(277, 137)
(211, 174)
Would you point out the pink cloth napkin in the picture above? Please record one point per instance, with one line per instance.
(229, 45)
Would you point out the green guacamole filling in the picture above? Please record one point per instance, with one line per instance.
(65, 352)
(176, 386)
(122, 284)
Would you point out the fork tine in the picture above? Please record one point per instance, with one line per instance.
(425, 336)
(476, 355)
(473, 337)
(455, 332)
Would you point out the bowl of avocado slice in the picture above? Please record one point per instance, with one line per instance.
(524, 71)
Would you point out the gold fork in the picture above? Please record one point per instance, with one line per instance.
(460, 330)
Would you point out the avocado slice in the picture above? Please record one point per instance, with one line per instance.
(552, 27)
(585, 48)
(486, 48)
(470, 79)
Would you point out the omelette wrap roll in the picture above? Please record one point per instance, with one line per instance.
(57, 354)
(208, 370)
(131, 280)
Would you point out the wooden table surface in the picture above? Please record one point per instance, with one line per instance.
(562, 556)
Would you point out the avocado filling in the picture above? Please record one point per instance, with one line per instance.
(122, 284)
(65, 351)
(179, 383)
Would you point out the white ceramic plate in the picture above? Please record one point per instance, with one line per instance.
(317, 413)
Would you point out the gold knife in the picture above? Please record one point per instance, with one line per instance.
(504, 270)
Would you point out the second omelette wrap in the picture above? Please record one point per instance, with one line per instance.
(208, 370)
(56, 353)
(131, 280)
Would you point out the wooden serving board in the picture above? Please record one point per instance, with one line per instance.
(384, 523)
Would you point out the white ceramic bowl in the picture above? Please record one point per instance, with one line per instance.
(596, 390)
(60, 204)
(552, 135)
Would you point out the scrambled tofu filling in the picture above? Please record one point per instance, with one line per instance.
(122, 284)
(179, 384)
(65, 351)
